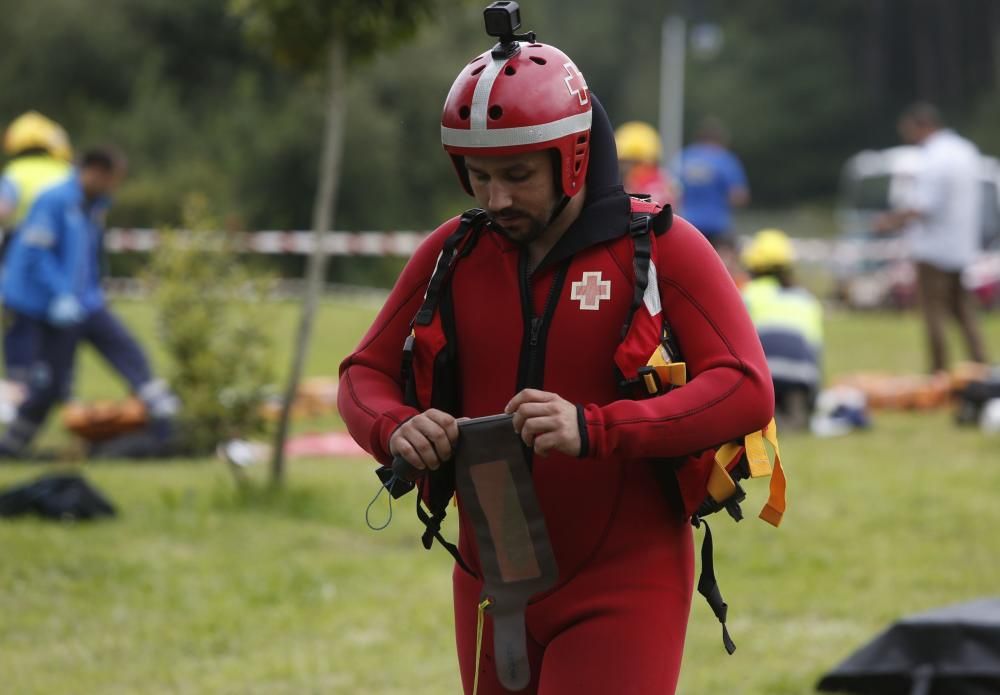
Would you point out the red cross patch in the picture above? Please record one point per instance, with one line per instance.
(590, 290)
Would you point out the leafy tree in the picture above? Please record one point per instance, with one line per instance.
(310, 34)
(200, 109)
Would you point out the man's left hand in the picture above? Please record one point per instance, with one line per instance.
(545, 422)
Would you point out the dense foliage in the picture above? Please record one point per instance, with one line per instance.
(201, 107)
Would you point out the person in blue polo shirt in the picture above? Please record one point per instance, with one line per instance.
(52, 280)
(713, 182)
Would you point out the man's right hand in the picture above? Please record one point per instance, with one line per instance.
(426, 440)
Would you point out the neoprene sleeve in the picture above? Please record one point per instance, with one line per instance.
(370, 398)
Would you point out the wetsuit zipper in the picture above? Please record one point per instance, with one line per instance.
(532, 359)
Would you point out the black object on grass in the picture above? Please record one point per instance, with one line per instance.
(953, 650)
(60, 496)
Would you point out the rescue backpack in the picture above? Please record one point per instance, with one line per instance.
(648, 363)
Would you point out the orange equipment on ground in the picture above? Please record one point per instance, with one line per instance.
(102, 420)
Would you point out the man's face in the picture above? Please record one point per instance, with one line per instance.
(911, 132)
(99, 182)
(518, 191)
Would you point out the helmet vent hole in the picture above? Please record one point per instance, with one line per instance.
(475, 60)
(535, 45)
(537, 60)
(582, 140)
(478, 70)
(496, 111)
(463, 113)
(509, 70)
(576, 167)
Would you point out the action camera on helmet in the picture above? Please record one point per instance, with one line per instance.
(502, 19)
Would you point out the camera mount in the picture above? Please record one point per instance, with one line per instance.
(502, 19)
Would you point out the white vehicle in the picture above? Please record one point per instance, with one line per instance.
(872, 270)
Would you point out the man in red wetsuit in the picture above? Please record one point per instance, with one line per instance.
(538, 304)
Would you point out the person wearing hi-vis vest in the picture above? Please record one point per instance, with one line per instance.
(39, 155)
(789, 320)
(535, 318)
(52, 280)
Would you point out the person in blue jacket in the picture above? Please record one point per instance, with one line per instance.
(52, 281)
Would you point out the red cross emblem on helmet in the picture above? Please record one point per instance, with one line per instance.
(534, 100)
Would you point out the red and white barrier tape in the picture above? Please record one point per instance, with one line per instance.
(403, 244)
(272, 242)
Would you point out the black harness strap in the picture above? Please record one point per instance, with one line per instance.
(708, 586)
(432, 522)
(639, 228)
(469, 226)
(663, 220)
(471, 220)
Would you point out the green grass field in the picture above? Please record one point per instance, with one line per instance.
(195, 589)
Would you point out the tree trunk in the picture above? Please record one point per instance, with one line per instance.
(323, 215)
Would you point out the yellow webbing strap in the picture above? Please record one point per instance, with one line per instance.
(758, 461)
(720, 483)
(674, 373)
(775, 507)
(652, 388)
(669, 373)
(483, 605)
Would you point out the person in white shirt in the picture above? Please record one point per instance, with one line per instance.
(944, 227)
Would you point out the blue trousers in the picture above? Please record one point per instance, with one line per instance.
(21, 336)
(52, 369)
(794, 365)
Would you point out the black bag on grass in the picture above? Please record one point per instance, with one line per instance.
(62, 496)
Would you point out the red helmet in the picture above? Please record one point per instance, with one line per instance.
(534, 100)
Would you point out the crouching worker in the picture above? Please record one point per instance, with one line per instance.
(52, 280)
(789, 320)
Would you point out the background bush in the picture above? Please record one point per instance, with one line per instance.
(214, 326)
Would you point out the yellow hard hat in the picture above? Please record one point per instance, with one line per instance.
(31, 131)
(769, 248)
(638, 142)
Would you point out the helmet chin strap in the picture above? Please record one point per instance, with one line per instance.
(560, 206)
